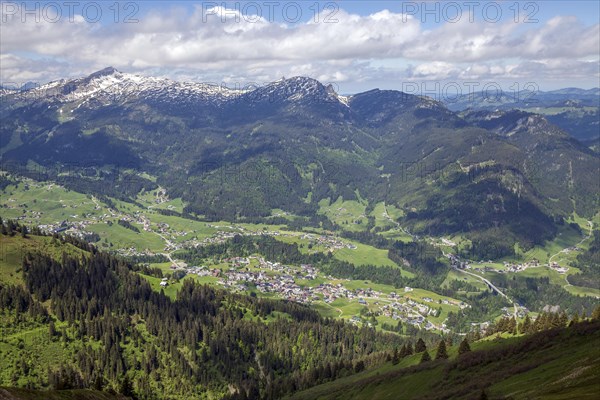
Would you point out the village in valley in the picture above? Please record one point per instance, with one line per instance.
(151, 228)
(505, 267)
(304, 284)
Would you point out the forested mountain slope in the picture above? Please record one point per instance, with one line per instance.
(239, 154)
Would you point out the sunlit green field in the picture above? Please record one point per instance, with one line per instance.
(381, 219)
(454, 275)
(349, 214)
(364, 254)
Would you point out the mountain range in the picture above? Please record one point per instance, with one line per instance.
(238, 154)
(577, 111)
(496, 99)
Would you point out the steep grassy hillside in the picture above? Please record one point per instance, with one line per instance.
(557, 364)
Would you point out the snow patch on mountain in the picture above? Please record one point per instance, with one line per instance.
(110, 86)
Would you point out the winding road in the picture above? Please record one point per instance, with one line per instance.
(387, 216)
(168, 242)
(591, 225)
(492, 286)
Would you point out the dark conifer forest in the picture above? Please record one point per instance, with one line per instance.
(135, 340)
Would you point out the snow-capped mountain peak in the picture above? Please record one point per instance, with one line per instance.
(110, 86)
(297, 89)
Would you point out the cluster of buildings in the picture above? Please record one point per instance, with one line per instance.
(415, 313)
(509, 267)
(282, 280)
(239, 276)
(162, 197)
(317, 242)
(326, 242)
(509, 311)
(412, 313)
(558, 268)
(218, 238)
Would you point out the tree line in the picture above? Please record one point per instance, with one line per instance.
(206, 339)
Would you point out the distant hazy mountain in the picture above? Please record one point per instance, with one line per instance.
(576, 111)
(569, 97)
(576, 92)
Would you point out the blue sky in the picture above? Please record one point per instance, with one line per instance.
(355, 45)
(587, 10)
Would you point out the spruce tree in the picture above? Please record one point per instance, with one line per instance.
(596, 314)
(51, 330)
(420, 346)
(395, 357)
(449, 341)
(359, 366)
(403, 351)
(425, 357)
(537, 324)
(464, 347)
(441, 351)
(563, 319)
(574, 319)
(526, 326)
(126, 387)
(512, 326)
(554, 321)
(98, 382)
